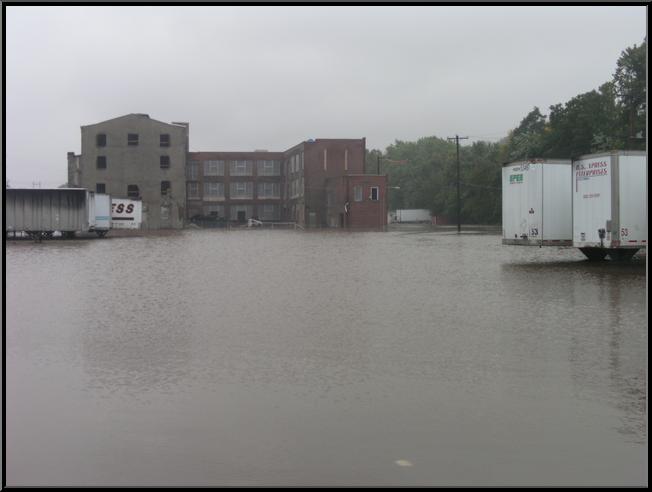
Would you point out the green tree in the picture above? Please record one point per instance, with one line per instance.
(527, 138)
(630, 87)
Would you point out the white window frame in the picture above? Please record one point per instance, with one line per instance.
(210, 186)
(196, 195)
(242, 190)
(213, 167)
(193, 170)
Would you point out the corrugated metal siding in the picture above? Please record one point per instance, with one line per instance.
(46, 210)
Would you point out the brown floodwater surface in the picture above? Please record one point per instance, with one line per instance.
(257, 357)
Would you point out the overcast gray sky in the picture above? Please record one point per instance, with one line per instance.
(269, 77)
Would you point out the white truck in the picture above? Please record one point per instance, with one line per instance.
(126, 213)
(537, 202)
(609, 204)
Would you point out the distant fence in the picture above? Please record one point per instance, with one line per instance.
(281, 225)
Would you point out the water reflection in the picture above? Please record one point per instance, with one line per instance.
(601, 306)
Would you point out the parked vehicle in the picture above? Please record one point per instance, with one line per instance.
(609, 204)
(537, 202)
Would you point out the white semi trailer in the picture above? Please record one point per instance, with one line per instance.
(126, 213)
(609, 204)
(412, 215)
(99, 213)
(40, 212)
(537, 202)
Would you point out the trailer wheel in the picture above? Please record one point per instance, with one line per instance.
(594, 254)
(101, 233)
(621, 254)
(68, 234)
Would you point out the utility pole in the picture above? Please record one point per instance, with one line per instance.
(378, 166)
(457, 139)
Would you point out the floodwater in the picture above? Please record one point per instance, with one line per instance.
(257, 357)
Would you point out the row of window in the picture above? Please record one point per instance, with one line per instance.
(295, 163)
(374, 193)
(132, 139)
(133, 191)
(243, 212)
(242, 189)
(164, 162)
(236, 168)
(237, 189)
(296, 187)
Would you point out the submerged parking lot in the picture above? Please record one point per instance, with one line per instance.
(258, 357)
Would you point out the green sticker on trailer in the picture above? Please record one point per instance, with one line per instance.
(516, 178)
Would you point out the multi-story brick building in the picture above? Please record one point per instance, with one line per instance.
(235, 186)
(310, 164)
(135, 156)
(316, 183)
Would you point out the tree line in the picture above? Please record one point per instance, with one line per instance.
(611, 117)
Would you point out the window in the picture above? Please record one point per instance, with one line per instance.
(241, 212)
(213, 190)
(100, 188)
(268, 212)
(241, 168)
(133, 191)
(375, 192)
(100, 139)
(269, 190)
(165, 140)
(242, 189)
(213, 168)
(214, 211)
(165, 162)
(192, 171)
(132, 139)
(269, 168)
(193, 190)
(166, 189)
(101, 162)
(357, 193)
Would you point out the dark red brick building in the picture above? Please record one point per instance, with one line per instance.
(235, 186)
(317, 183)
(357, 201)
